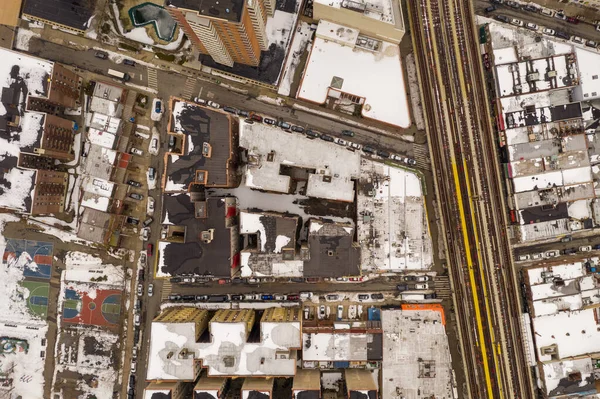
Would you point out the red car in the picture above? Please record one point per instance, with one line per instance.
(256, 117)
(149, 249)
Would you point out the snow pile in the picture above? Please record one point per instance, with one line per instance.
(23, 37)
(86, 268)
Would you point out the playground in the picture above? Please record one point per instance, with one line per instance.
(102, 308)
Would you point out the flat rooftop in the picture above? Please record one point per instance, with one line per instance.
(229, 10)
(207, 147)
(327, 167)
(416, 356)
(189, 254)
(387, 11)
(72, 14)
(341, 346)
(569, 377)
(392, 224)
(9, 13)
(587, 62)
(367, 71)
(333, 251)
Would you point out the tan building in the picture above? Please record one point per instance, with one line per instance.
(49, 192)
(57, 138)
(230, 31)
(9, 12)
(380, 19)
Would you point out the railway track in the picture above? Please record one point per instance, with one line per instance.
(469, 190)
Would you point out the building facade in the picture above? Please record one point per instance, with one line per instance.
(231, 31)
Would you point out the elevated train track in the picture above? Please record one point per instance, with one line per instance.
(468, 186)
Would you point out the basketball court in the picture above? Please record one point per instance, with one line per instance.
(103, 310)
(37, 301)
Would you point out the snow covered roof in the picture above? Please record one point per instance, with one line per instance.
(95, 201)
(269, 149)
(101, 138)
(380, 10)
(573, 333)
(393, 212)
(414, 339)
(100, 162)
(587, 62)
(341, 346)
(98, 186)
(362, 73)
(569, 377)
(169, 339)
(105, 123)
(552, 179)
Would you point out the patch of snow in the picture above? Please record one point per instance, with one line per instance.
(300, 41)
(23, 37)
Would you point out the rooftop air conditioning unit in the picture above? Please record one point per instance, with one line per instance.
(207, 236)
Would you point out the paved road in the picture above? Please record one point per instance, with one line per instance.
(584, 29)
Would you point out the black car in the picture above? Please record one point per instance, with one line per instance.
(237, 297)
(298, 129)
(174, 297)
(376, 296)
(284, 125)
(502, 18)
(230, 110)
(369, 150)
(332, 297)
(188, 298)
(132, 220)
(218, 298)
(136, 336)
(131, 380)
(327, 138)
(410, 278)
(311, 134)
(531, 8)
(148, 222)
(175, 280)
(243, 113)
(134, 183)
(490, 9)
(402, 287)
(383, 154)
(432, 295)
(136, 196)
(236, 280)
(141, 275)
(270, 121)
(202, 298)
(570, 251)
(348, 133)
(562, 35)
(101, 55)
(128, 62)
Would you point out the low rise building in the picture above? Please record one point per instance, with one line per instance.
(184, 340)
(60, 13)
(166, 390)
(201, 236)
(205, 148)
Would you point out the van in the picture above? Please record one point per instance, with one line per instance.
(172, 142)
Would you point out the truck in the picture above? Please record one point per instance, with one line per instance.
(412, 297)
(119, 75)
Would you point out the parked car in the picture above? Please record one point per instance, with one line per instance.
(516, 22)
(237, 297)
(422, 278)
(279, 297)
(547, 12)
(134, 183)
(383, 154)
(348, 133)
(218, 298)
(341, 142)
(431, 295)
(175, 280)
(270, 121)
(201, 298)
(188, 298)
(293, 297)
(355, 146)
(141, 275)
(531, 26)
(368, 150)
(136, 151)
(572, 20)
(306, 295)
(256, 117)
(402, 287)
(591, 43)
(266, 297)
(548, 31)
(531, 8)
(133, 366)
(149, 249)
(136, 196)
(326, 137)
(552, 253)
(284, 125)
(502, 18)
(570, 251)
(311, 134)
(322, 312)
(410, 278)
(140, 289)
(585, 248)
(174, 297)
(524, 257)
(153, 147)
(490, 9)
(150, 289)
(297, 129)
(172, 142)
(199, 100)
(562, 35)
(101, 54)
(146, 234)
(577, 39)
(332, 297)
(376, 296)
(363, 297)
(243, 114)
(128, 62)
(306, 313)
(150, 206)
(513, 4)
(421, 286)
(230, 110)
(537, 256)
(157, 110)
(132, 220)
(250, 297)
(148, 222)
(213, 104)
(340, 312)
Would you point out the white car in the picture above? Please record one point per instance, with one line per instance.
(214, 104)
(577, 39)
(153, 147)
(136, 151)
(150, 206)
(537, 256)
(421, 286)
(157, 110)
(341, 142)
(151, 178)
(548, 31)
(145, 235)
(150, 289)
(531, 26)
(306, 295)
(134, 353)
(423, 278)
(306, 313)
(280, 297)
(340, 312)
(321, 312)
(354, 146)
(396, 157)
(598, 27)
(140, 290)
(524, 257)
(585, 248)
(199, 100)
(552, 253)
(516, 22)
(547, 12)
(137, 320)
(250, 297)
(133, 366)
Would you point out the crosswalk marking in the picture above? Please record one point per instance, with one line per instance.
(167, 288)
(152, 78)
(422, 156)
(188, 90)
